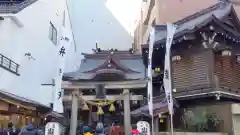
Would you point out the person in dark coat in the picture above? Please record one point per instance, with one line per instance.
(100, 129)
(11, 130)
(29, 130)
(115, 130)
(86, 130)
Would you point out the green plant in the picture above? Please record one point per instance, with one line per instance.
(213, 121)
(200, 120)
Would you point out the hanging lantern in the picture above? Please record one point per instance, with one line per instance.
(100, 111)
(176, 58)
(157, 70)
(112, 108)
(238, 58)
(161, 120)
(226, 52)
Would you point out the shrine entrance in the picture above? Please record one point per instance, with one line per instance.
(105, 78)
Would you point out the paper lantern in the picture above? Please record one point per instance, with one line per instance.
(176, 58)
(161, 120)
(226, 52)
(157, 70)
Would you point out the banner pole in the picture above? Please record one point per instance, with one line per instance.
(171, 121)
(153, 125)
(167, 80)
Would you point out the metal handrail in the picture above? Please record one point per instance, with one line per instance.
(9, 64)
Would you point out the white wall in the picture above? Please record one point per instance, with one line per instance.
(109, 22)
(32, 38)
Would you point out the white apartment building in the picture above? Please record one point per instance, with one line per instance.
(30, 31)
(110, 23)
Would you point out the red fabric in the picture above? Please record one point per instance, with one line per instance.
(135, 131)
(116, 130)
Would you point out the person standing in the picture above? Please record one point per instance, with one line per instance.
(134, 130)
(29, 130)
(10, 129)
(86, 130)
(100, 129)
(116, 130)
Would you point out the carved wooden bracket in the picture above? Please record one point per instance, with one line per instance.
(209, 41)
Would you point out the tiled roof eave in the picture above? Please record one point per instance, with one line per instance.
(15, 8)
(22, 99)
(197, 27)
(123, 68)
(202, 12)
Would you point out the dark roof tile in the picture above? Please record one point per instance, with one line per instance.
(130, 64)
(14, 7)
(219, 11)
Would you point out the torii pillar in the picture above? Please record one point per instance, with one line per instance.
(127, 111)
(74, 112)
(125, 85)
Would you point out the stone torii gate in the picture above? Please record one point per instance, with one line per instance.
(125, 96)
(113, 69)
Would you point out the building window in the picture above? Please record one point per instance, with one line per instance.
(53, 33)
(63, 23)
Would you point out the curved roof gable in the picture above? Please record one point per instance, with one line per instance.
(124, 63)
(190, 23)
(112, 63)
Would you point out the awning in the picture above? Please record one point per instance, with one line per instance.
(20, 101)
(143, 111)
(57, 117)
(158, 107)
(54, 114)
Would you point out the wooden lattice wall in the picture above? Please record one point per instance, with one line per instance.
(193, 71)
(206, 69)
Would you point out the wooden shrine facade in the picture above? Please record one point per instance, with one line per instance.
(105, 76)
(20, 111)
(205, 63)
(205, 53)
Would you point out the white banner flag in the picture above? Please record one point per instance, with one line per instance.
(150, 51)
(167, 80)
(64, 45)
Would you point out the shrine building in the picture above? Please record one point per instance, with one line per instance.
(106, 87)
(205, 67)
(21, 111)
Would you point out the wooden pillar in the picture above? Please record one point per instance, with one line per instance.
(156, 124)
(127, 115)
(90, 115)
(169, 124)
(74, 112)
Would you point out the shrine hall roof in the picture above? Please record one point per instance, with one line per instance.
(128, 64)
(21, 99)
(191, 22)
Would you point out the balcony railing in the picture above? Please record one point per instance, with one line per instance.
(9, 65)
(14, 6)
